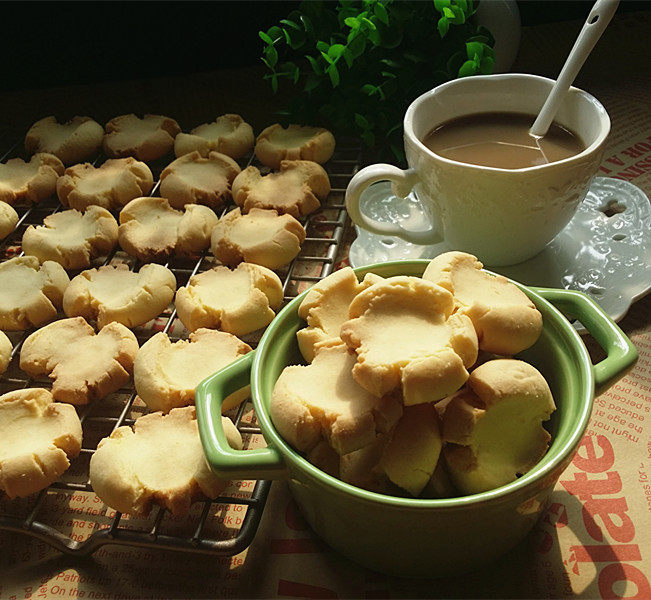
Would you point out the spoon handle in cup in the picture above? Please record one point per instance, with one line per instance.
(600, 15)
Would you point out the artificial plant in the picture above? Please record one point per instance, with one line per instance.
(357, 64)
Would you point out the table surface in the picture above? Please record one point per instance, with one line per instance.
(286, 559)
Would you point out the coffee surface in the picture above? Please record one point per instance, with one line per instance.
(501, 140)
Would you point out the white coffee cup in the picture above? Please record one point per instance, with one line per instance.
(503, 216)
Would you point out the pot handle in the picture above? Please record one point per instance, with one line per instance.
(620, 352)
(259, 463)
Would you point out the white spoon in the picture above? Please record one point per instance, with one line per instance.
(600, 15)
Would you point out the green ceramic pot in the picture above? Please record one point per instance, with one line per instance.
(405, 536)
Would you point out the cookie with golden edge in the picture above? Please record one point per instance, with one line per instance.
(83, 366)
(30, 293)
(405, 457)
(158, 462)
(295, 190)
(115, 293)
(322, 402)
(72, 238)
(505, 319)
(262, 237)
(325, 308)
(237, 301)
(150, 229)
(296, 142)
(167, 373)
(30, 181)
(8, 220)
(195, 179)
(228, 134)
(5, 352)
(38, 437)
(406, 339)
(146, 139)
(111, 185)
(493, 428)
(77, 140)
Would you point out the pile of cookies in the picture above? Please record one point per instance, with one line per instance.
(410, 388)
(90, 351)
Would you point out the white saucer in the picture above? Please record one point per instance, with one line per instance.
(605, 250)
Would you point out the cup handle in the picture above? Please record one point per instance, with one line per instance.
(621, 355)
(259, 463)
(403, 182)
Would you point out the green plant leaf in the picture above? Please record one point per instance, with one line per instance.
(362, 121)
(275, 33)
(443, 26)
(459, 16)
(441, 4)
(336, 50)
(352, 22)
(381, 13)
(357, 46)
(327, 58)
(467, 68)
(265, 38)
(388, 74)
(333, 72)
(486, 65)
(322, 46)
(307, 24)
(274, 83)
(369, 89)
(316, 67)
(474, 48)
(348, 57)
(448, 13)
(394, 64)
(369, 23)
(272, 56)
(290, 24)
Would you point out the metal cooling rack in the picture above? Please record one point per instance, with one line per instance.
(68, 515)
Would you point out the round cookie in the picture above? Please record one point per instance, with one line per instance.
(159, 461)
(493, 428)
(37, 438)
(114, 293)
(228, 134)
(296, 142)
(322, 402)
(30, 293)
(147, 139)
(238, 301)
(506, 321)
(325, 308)
(30, 181)
(295, 190)
(111, 186)
(8, 220)
(262, 237)
(74, 141)
(151, 230)
(72, 238)
(406, 339)
(194, 179)
(83, 366)
(166, 374)
(5, 352)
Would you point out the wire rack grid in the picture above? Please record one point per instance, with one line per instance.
(68, 515)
